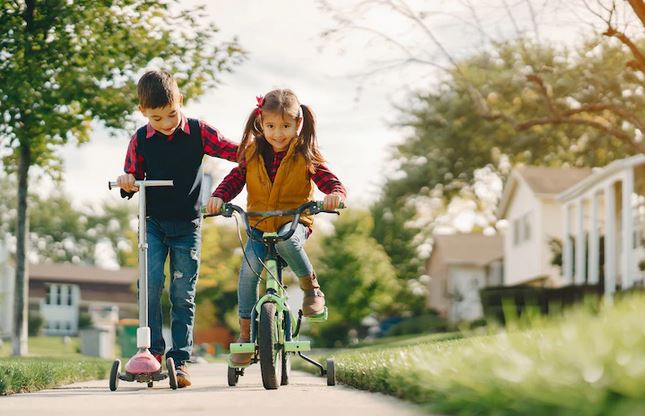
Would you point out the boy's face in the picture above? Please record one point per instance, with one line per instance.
(279, 131)
(164, 119)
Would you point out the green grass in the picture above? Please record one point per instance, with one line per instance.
(47, 346)
(584, 363)
(27, 374)
(51, 362)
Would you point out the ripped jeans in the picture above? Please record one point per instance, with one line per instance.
(182, 240)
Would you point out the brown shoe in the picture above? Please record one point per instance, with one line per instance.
(243, 359)
(183, 378)
(314, 300)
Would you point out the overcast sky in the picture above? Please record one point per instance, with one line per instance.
(286, 50)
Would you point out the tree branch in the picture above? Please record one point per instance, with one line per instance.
(639, 63)
(639, 8)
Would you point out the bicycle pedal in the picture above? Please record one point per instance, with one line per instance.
(295, 346)
(321, 317)
(242, 347)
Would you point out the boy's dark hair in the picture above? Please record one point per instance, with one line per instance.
(157, 89)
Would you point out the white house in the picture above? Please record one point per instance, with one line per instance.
(606, 212)
(459, 266)
(535, 216)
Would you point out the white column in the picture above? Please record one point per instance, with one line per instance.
(580, 242)
(628, 230)
(610, 243)
(567, 263)
(594, 247)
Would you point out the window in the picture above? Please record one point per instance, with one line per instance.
(522, 229)
(58, 294)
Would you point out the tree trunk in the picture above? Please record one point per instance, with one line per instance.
(21, 303)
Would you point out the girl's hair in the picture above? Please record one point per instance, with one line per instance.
(285, 102)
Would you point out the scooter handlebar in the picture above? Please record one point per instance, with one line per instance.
(145, 183)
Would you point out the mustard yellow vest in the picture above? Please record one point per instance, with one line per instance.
(291, 187)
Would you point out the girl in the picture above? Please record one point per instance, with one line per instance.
(278, 160)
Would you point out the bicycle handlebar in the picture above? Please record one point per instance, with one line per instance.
(313, 207)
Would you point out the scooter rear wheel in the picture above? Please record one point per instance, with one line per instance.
(172, 373)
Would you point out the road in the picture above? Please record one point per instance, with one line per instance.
(306, 395)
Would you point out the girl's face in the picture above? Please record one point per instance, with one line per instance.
(279, 131)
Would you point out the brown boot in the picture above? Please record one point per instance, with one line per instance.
(243, 358)
(314, 300)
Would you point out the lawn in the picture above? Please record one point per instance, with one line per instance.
(52, 361)
(583, 363)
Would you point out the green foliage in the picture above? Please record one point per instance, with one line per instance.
(418, 325)
(20, 375)
(217, 285)
(34, 323)
(356, 275)
(61, 233)
(68, 63)
(84, 320)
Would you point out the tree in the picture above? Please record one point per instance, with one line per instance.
(65, 64)
(356, 275)
(60, 233)
(515, 101)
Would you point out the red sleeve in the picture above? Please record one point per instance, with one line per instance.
(232, 184)
(217, 145)
(134, 163)
(327, 182)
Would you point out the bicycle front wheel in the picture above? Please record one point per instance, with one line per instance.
(268, 346)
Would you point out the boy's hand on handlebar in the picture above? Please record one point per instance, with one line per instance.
(214, 205)
(332, 201)
(126, 182)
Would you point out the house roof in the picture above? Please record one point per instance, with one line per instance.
(81, 274)
(599, 175)
(477, 249)
(544, 182)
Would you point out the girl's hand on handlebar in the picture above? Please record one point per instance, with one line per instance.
(331, 201)
(126, 182)
(214, 205)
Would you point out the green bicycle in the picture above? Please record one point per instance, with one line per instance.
(274, 328)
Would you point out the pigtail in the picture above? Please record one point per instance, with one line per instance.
(308, 141)
(252, 130)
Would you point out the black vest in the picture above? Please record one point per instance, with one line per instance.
(180, 160)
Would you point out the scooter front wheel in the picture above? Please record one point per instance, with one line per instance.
(114, 375)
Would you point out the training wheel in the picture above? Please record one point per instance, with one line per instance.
(331, 372)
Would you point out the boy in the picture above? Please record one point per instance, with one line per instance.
(171, 146)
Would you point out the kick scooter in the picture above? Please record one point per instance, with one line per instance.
(143, 367)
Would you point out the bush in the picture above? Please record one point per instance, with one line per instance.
(34, 323)
(419, 325)
(84, 320)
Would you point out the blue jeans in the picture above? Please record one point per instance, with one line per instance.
(182, 240)
(291, 250)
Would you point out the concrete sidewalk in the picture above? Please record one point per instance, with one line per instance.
(306, 395)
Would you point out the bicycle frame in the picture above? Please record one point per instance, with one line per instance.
(275, 293)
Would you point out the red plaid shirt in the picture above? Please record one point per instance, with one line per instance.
(234, 182)
(213, 142)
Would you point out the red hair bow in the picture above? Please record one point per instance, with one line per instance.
(260, 100)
